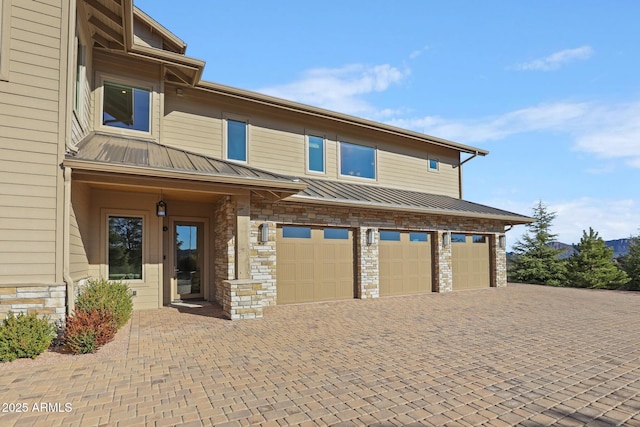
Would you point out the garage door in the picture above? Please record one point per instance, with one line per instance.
(470, 259)
(405, 262)
(314, 264)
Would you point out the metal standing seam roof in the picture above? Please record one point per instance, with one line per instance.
(126, 151)
(323, 191)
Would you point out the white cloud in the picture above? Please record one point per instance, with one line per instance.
(611, 218)
(341, 89)
(416, 53)
(556, 60)
(607, 131)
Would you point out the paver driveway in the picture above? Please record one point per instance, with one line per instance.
(527, 355)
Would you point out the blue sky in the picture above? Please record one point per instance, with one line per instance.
(551, 89)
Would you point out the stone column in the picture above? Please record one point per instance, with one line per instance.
(368, 275)
(243, 228)
(443, 269)
(498, 262)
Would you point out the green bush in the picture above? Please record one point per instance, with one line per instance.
(86, 331)
(25, 336)
(105, 295)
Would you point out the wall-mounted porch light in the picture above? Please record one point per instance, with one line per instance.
(161, 208)
(446, 239)
(371, 235)
(502, 241)
(264, 232)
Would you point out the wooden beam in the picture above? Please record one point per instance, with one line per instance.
(105, 11)
(180, 75)
(106, 30)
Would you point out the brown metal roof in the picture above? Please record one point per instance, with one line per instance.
(150, 158)
(345, 193)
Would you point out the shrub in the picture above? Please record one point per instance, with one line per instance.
(25, 336)
(102, 294)
(86, 331)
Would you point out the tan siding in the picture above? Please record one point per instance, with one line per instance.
(192, 125)
(273, 148)
(80, 216)
(29, 135)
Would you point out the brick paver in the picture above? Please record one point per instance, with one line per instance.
(527, 355)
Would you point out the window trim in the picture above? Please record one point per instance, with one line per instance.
(108, 213)
(360, 144)
(5, 38)
(134, 83)
(225, 137)
(80, 76)
(308, 155)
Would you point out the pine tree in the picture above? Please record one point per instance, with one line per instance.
(536, 261)
(631, 264)
(592, 265)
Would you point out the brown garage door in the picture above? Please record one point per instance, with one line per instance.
(470, 259)
(405, 262)
(314, 264)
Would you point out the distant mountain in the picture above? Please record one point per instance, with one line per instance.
(620, 247)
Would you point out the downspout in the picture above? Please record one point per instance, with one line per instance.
(460, 170)
(66, 244)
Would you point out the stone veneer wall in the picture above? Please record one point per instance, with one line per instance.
(263, 264)
(223, 244)
(45, 299)
(367, 264)
(499, 255)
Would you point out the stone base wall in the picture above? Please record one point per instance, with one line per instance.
(443, 268)
(242, 299)
(45, 299)
(499, 255)
(223, 244)
(367, 264)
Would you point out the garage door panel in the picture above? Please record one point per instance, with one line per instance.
(316, 268)
(470, 262)
(405, 263)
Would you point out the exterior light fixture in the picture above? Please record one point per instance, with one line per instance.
(264, 232)
(161, 208)
(370, 236)
(502, 241)
(446, 239)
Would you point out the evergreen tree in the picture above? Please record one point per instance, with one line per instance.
(592, 265)
(631, 264)
(535, 260)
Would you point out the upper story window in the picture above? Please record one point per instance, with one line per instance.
(236, 140)
(5, 12)
(80, 72)
(434, 164)
(126, 107)
(357, 160)
(315, 153)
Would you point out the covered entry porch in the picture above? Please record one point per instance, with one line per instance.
(174, 225)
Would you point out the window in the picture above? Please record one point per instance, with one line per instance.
(236, 140)
(80, 64)
(5, 11)
(126, 107)
(434, 164)
(125, 248)
(315, 153)
(393, 236)
(479, 239)
(458, 238)
(292, 232)
(336, 233)
(418, 236)
(357, 160)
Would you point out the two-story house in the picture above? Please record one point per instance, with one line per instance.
(118, 161)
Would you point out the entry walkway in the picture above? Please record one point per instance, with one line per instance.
(523, 355)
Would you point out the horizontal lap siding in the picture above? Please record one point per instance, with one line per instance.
(79, 231)
(29, 144)
(192, 125)
(278, 150)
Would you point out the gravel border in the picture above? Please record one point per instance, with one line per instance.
(119, 347)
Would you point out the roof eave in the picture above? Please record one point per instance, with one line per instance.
(509, 219)
(94, 166)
